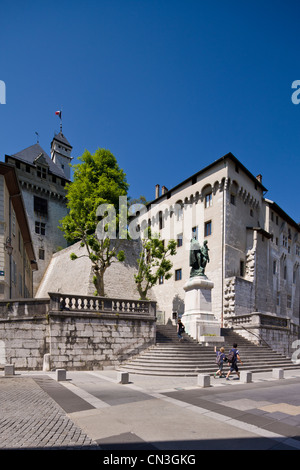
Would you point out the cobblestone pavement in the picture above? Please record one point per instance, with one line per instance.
(30, 419)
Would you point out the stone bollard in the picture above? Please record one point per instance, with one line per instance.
(61, 375)
(246, 377)
(203, 380)
(9, 369)
(46, 363)
(123, 377)
(277, 373)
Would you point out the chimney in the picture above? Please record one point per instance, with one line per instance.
(157, 191)
(259, 178)
(164, 190)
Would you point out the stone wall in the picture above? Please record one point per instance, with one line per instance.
(75, 277)
(24, 332)
(77, 337)
(279, 334)
(92, 341)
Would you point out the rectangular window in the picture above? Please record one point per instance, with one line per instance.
(40, 206)
(41, 253)
(242, 268)
(232, 199)
(207, 228)
(208, 200)
(40, 228)
(278, 299)
(41, 172)
(289, 301)
(195, 233)
(160, 217)
(274, 267)
(179, 240)
(178, 274)
(161, 280)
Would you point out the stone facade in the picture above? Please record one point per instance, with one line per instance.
(42, 182)
(16, 248)
(254, 245)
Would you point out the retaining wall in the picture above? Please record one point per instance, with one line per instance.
(77, 337)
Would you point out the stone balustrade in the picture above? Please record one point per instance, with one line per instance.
(67, 302)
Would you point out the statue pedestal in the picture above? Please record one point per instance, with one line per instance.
(198, 319)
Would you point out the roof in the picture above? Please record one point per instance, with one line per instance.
(11, 180)
(61, 138)
(29, 155)
(283, 214)
(216, 162)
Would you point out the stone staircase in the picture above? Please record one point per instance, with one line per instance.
(169, 357)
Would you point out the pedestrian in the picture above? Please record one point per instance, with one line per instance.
(220, 359)
(180, 329)
(233, 357)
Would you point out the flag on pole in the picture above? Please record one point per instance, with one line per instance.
(58, 113)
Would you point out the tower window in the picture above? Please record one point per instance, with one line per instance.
(40, 228)
(41, 172)
(40, 206)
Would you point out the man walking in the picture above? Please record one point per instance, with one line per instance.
(232, 357)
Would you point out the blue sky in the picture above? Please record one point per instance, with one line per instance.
(167, 86)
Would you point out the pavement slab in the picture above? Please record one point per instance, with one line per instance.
(92, 411)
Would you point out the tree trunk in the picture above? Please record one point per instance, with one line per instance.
(142, 292)
(99, 282)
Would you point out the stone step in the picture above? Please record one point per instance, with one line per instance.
(169, 357)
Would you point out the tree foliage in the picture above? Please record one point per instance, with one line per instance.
(153, 263)
(98, 180)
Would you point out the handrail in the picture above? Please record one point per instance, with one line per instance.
(258, 336)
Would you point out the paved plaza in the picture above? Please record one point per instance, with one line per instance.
(92, 411)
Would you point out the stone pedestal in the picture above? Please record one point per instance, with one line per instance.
(198, 319)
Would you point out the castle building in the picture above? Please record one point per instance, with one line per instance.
(42, 180)
(254, 246)
(17, 256)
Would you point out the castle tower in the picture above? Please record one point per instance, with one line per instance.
(61, 153)
(42, 181)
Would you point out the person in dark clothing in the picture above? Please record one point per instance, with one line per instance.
(180, 329)
(234, 352)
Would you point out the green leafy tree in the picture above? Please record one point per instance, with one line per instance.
(153, 263)
(98, 183)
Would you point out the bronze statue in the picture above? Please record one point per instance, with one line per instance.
(198, 258)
